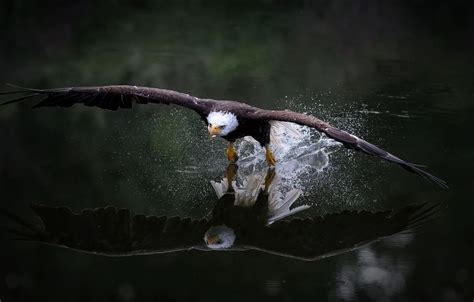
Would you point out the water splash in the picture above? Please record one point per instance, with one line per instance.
(299, 151)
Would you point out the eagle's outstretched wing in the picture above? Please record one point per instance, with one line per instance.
(111, 231)
(110, 97)
(121, 96)
(320, 237)
(347, 139)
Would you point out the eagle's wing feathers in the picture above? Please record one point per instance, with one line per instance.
(110, 97)
(122, 96)
(347, 139)
(111, 231)
(320, 237)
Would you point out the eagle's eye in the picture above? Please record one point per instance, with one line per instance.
(221, 127)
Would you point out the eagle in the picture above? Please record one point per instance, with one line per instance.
(230, 120)
(253, 217)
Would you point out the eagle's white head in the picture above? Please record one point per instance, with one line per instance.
(219, 237)
(220, 123)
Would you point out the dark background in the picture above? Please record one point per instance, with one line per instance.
(399, 75)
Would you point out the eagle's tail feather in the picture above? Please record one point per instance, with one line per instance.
(279, 206)
(279, 130)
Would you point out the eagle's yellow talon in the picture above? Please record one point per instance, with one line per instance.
(269, 156)
(231, 153)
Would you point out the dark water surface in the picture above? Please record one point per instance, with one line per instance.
(400, 76)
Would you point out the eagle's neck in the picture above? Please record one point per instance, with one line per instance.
(227, 120)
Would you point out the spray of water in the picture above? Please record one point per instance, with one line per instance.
(298, 150)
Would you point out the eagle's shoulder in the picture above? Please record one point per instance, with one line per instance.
(239, 108)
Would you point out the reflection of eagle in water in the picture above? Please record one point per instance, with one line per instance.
(237, 223)
(228, 119)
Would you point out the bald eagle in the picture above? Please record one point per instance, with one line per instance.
(230, 120)
(258, 219)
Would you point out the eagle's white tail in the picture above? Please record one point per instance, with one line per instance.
(279, 205)
(282, 132)
(220, 187)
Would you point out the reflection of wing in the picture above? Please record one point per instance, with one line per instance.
(112, 231)
(348, 140)
(316, 238)
(111, 97)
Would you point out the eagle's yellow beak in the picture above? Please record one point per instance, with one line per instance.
(213, 130)
(212, 240)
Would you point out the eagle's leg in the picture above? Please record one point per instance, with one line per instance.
(230, 174)
(269, 179)
(231, 153)
(269, 156)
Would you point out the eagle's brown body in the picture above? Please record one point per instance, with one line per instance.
(258, 129)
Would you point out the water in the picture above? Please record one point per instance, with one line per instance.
(392, 74)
